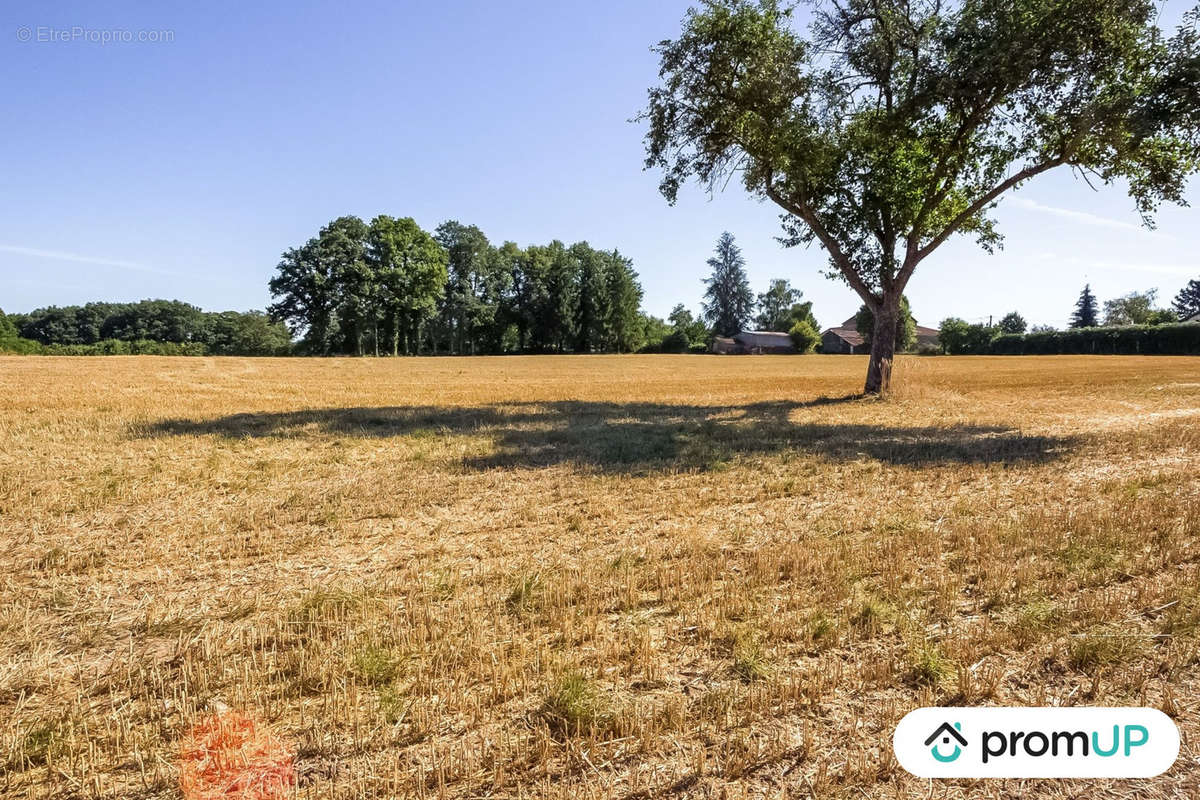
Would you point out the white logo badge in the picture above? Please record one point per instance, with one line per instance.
(1036, 742)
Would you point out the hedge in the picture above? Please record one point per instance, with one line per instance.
(1148, 340)
(118, 347)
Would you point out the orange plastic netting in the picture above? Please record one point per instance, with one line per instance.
(230, 755)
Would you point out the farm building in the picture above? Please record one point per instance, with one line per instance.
(754, 342)
(1194, 319)
(927, 337)
(846, 339)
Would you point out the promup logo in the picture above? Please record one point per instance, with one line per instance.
(1036, 742)
(947, 732)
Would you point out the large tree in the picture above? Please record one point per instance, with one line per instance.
(1085, 315)
(775, 306)
(322, 290)
(895, 125)
(476, 284)
(1187, 302)
(728, 301)
(623, 325)
(410, 268)
(1136, 308)
(1012, 322)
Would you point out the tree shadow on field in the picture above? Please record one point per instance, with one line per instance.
(638, 437)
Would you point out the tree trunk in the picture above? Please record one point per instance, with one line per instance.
(883, 347)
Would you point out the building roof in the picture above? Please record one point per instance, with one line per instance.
(847, 334)
(1193, 319)
(764, 339)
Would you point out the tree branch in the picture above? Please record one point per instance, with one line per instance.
(806, 213)
(972, 210)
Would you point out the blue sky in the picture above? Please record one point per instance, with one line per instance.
(183, 168)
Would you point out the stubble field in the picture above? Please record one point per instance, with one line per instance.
(577, 577)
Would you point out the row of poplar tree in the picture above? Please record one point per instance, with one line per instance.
(389, 287)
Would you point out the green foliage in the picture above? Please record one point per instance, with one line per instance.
(1187, 302)
(574, 707)
(476, 283)
(10, 339)
(410, 268)
(804, 337)
(929, 666)
(252, 333)
(1136, 308)
(774, 306)
(953, 334)
(1179, 340)
(689, 331)
(1085, 314)
(779, 308)
(728, 301)
(375, 665)
(906, 326)
(959, 338)
(655, 334)
(150, 327)
(1012, 322)
(750, 662)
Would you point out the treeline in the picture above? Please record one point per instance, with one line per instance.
(388, 287)
(1132, 324)
(156, 327)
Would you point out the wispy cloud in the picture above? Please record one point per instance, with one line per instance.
(1082, 216)
(58, 255)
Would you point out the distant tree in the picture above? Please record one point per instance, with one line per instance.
(775, 306)
(253, 333)
(953, 335)
(410, 270)
(654, 333)
(979, 338)
(804, 336)
(728, 301)
(1086, 314)
(906, 326)
(1012, 322)
(154, 320)
(802, 312)
(958, 338)
(508, 330)
(475, 284)
(1043, 329)
(622, 325)
(322, 290)
(894, 126)
(1187, 302)
(692, 330)
(10, 338)
(557, 295)
(1136, 308)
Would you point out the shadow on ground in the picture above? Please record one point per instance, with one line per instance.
(637, 437)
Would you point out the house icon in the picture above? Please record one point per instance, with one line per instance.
(946, 732)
